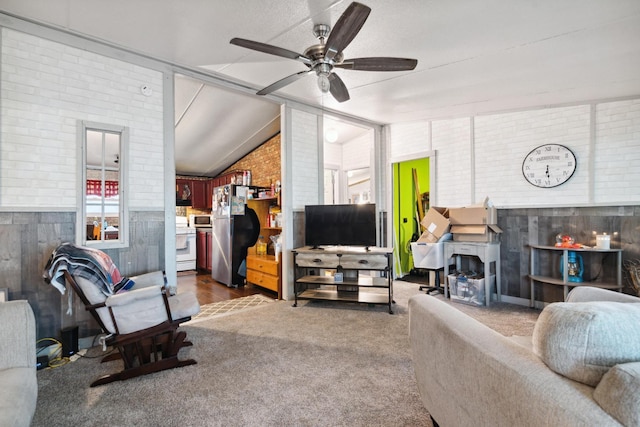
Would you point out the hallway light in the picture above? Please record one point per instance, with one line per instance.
(331, 135)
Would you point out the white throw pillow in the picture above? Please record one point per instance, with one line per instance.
(582, 341)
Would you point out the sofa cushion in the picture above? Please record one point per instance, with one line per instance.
(619, 393)
(582, 341)
(591, 293)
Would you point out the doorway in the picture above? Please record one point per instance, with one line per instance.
(411, 186)
(348, 155)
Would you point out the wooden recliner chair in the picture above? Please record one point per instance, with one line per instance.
(141, 322)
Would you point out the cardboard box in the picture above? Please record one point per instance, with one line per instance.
(469, 290)
(473, 216)
(428, 255)
(476, 233)
(436, 224)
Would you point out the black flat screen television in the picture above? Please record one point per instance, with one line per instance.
(343, 225)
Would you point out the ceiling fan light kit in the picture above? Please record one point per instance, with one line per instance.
(321, 58)
(323, 83)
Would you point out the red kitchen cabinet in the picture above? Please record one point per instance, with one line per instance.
(199, 197)
(201, 250)
(209, 261)
(184, 192)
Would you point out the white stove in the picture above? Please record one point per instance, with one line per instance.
(185, 245)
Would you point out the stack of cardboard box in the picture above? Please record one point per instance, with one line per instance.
(475, 224)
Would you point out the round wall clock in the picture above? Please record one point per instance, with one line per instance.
(549, 165)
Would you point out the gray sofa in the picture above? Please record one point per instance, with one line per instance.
(567, 374)
(18, 383)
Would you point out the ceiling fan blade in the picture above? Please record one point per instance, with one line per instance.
(270, 49)
(337, 88)
(378, 64)
(283, 82)
(346, 28)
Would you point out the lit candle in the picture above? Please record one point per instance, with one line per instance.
(603, 241)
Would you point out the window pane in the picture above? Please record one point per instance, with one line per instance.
(102, 187)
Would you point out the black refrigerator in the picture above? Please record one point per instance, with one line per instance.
(235, 229)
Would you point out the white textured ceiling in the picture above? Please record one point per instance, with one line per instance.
(474, 57)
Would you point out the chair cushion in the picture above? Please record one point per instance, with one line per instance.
(138, 310)
(93, 293)
(154, 278)
(184, 304)
(619, 393)
(582, 341)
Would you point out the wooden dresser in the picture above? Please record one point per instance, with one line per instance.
(264, 271)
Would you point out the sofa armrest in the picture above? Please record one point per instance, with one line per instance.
(18, 333)
(591, 293)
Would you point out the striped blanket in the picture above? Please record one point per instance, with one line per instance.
(89, 263)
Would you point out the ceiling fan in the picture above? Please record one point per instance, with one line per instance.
(323, 57)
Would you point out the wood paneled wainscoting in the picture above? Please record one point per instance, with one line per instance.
(539, 226)
(29, 238)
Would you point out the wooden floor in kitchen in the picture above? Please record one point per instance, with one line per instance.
(208, 290)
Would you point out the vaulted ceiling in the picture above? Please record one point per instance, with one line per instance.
(474, 57)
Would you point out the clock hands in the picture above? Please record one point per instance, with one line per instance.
(547, 172)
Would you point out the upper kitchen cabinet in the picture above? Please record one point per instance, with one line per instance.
(184, 192)
(201, 188)
(194, 192)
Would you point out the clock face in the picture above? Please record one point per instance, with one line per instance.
(549, 165)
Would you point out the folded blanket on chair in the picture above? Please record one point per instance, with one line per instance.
(89, 263)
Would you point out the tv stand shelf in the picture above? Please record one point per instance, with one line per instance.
(310, 284)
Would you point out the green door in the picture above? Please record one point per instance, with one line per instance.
(405, 208)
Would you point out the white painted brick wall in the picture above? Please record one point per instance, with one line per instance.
(409, 138)
(47, 88)
(357, 153)
(305, 174)
(501, 142)
(617, 152)
(332, 154)
(451, 141)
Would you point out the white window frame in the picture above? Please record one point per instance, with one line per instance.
(123, 226)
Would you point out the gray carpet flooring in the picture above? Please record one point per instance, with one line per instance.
(318, 364)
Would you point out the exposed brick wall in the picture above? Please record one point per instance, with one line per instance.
(263, 162)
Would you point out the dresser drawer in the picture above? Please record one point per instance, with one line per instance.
(463, 249)
(320, 260)
(264, 280)
(262, 264)
(364, 262)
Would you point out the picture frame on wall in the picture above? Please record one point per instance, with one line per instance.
(4, 294)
